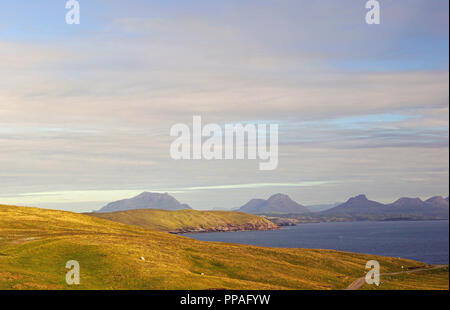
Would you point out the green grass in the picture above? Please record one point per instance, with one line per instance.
(188, 220)
(35, 244)
(422, 280)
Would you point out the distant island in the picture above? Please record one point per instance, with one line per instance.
(279, 209)
(278, 203)
(357, 208)
(146, 200)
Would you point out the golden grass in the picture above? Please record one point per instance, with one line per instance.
(35, 245)
(422, 280)
(188, 220)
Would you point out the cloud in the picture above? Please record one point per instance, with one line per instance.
(370, 131)
(90, 108)
(255, 185)
(97, 196)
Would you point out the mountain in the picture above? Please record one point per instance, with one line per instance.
(355, 205)
(278, 203)
(252, 206)
(438, 202)
(184, 221)
(406, 202)
(146, 200)
(433, 207)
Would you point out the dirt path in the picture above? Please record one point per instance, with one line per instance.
(360, 281)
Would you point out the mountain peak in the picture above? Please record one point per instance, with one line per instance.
(437, 201)
(360, 197)
(146, 200)
(355, 205)
(405, 201)
(150, 194)
(279, 197)
(278, 203)
(359, 205)
(435, 198)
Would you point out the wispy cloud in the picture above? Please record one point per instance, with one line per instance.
(255, 185)
(90, 107)
(90, 196)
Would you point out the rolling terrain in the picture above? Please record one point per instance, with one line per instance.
(432, 279)
(433, 207)
(35, 245)
(189, 220)
(357, 208)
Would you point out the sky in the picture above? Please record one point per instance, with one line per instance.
(86, 110)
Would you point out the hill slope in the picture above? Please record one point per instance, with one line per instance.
(189, 220)
(278, 203)
(433, 279)
(146, 200)
(35, 245)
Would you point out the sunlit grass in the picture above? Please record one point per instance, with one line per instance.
(35, 244)
(188, 220)
(422, 280)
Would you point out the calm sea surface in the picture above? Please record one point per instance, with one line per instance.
(426, 241)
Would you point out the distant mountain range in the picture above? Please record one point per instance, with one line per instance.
(433, 207)
(278, 203)
(355, 208)
(188, 221)
(146, 200)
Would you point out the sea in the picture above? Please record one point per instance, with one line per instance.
(425, 241)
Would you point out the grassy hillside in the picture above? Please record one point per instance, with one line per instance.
(188, 220)
(422, 280)
(35, 245)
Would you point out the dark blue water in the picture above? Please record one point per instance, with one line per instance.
(426, 241)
